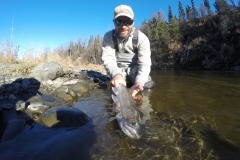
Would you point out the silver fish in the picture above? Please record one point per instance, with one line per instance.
(128, 115)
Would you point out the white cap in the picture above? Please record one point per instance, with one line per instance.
(123, 10)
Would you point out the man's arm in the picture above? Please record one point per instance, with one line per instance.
(144, 59)
(110, 61)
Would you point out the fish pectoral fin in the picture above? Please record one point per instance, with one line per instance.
(116, 107)
(115, 90)
(115, 99)
(111, 119)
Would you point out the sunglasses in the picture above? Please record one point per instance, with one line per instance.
(121, 22)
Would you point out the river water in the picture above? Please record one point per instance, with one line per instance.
(188, 115)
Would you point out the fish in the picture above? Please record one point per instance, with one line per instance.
(129, 117)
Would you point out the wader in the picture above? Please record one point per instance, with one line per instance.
(128, 62)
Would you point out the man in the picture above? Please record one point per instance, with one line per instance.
(127, 63)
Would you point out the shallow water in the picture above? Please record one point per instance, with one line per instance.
(189, 115)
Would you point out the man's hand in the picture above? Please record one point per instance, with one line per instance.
(117, 79)
(136, 88)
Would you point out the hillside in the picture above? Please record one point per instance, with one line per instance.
(211, 42)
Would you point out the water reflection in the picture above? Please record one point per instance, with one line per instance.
(189, 115)
(209, 104)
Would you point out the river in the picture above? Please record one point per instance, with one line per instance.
(188, 115)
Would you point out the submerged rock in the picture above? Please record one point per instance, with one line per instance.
(7, 106)
(13, 127)
(64, 117)
(37, 108)
(20, 105)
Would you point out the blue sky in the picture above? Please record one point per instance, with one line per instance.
(50, 23)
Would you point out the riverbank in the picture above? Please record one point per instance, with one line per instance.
(27, 90)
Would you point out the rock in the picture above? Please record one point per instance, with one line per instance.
(26, 83)
(1, 111)
(12, 97)
(7, 106)
(17, 87)
(47, 71)
(2, 98)
(20, 105)
(67, 97)
(63, 117)
(237, 68)
(37, 108)
(60, 91)
(13, 127)
(71, 92)
(81, 86)
(83, 75)
(47, 99)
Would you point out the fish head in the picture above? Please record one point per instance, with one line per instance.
(133, 129)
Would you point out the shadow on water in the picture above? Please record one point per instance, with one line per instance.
(22, 138)
(9, 117)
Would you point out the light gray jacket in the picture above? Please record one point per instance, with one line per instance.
(113, 63)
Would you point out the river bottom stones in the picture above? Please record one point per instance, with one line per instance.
(64, 117)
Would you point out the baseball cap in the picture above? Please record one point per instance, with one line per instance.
(123, 10)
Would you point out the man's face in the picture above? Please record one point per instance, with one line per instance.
(123, 26)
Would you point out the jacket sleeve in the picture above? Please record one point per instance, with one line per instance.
(144, 59)
(108, 55)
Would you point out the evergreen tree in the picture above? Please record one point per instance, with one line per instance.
(233, 4)
(145, 28)
(174, 29)
(181, 12)
(221, 6)
(170, 14)
(194, 10)
(164, 36)
(154, 37)
(189, 13)
(207, 6)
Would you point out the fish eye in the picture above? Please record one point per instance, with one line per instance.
(133, 123)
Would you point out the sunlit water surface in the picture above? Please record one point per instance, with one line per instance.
(189, 115)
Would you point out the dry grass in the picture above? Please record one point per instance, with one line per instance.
(23, 68)
(9, 54)
(8, 58)
(28, 62)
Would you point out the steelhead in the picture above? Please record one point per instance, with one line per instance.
(127, 114)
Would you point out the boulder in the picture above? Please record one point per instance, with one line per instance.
(57, 117)
(47, 71)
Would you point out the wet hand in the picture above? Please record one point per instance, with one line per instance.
(136, 88)
(117, 79)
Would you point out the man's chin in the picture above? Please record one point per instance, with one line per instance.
(123, 35)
